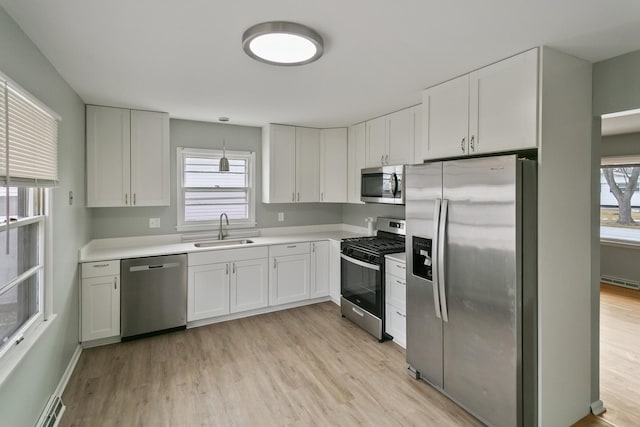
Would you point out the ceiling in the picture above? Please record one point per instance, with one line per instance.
(185, 57)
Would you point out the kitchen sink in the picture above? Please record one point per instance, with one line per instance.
(214, 243)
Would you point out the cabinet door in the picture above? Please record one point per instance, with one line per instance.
(334, 271)
(289, 279)
(208, 291)
(279, 164)
(504, 105)
(333, 165)
(396, 324)
(320, 273)
(100, 307)
(356, 160)
(446, 118)
(108, 156)
(149, 158)
(400, 130)
(249, 284)
(419, 148)
(307, 165)
(377, 147)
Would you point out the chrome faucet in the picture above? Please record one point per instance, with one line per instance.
(220, 233)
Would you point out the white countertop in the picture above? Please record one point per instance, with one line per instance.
(142, 246)
(399, 257)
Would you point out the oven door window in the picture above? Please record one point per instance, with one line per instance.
(377, 185)
(362, 286)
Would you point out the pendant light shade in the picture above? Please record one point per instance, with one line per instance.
(224, 162)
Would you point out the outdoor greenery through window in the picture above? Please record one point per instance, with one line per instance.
(620, 201)
(206, 192)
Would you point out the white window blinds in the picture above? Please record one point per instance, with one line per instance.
(28, 139)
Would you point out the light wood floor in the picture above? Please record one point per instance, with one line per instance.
(305, 366)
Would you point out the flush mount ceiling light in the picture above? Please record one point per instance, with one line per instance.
(282, 43)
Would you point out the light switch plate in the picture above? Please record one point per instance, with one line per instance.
(280, 216)
(154, 222)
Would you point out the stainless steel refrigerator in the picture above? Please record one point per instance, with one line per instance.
(471, 284)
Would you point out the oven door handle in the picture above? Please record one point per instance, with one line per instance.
(360, 263)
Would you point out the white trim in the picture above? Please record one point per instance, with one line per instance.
(16, 353)
(71, 366)
(25, 94)
(620, 243)
(249, 313)
(597, 408)
(621, 114)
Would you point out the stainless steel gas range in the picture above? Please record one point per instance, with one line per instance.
(362, 275)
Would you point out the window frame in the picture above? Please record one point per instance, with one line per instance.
(250, 222)
(616, 162)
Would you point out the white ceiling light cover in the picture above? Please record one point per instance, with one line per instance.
(282, 43)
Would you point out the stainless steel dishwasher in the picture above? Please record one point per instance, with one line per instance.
(153, 295)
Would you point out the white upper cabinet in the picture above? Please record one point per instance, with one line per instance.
(333, 165)
(377, 142)
(504, 105)
(356, 155)
(127, 157)
(445, 110)
(400, 131)
(150, 158)
(108, 156)
(278, 164)
(390, 139)
(307, 165)
(490, 110)
(418, 140)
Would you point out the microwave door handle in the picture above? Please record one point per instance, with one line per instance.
(395, 184)
(435, 257)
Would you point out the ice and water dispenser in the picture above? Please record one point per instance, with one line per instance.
(422, 257)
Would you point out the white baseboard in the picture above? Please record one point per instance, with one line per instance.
(597, 407)
(62, 384)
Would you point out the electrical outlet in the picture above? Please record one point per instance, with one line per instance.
(154, 222)
(280, 216)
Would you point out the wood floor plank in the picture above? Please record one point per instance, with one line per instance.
(304, 366)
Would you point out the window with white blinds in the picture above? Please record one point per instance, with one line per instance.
(205, 192)
(28, 138)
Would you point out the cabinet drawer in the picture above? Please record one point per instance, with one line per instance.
(290, 249)
(226, 255)
(396, 324)
(396, 291)
(395, 268)
(100, 268)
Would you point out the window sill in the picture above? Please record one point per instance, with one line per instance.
(12, 358)
(620, 243)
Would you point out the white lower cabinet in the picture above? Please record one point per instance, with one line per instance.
(320, 273)
(289, 275)
(100, 300)
(249, 285)
(395, 300)
(208, 291)
(334, 269)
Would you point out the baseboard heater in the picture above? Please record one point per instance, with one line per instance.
(631, 284)
(52, 413)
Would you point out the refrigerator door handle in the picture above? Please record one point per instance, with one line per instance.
(442, 237)
(435, 257)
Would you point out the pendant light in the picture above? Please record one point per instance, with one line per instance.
(224, 162)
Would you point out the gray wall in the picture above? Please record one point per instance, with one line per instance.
(134, 221)
(356, 214)
(25, 392)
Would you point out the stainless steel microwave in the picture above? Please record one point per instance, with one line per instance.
(383, 184)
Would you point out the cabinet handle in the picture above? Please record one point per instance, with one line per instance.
(471, 144)
(226, 270)
(293, 196)
(462, 144)
(298, 196)
(126, 198)
(134, 199)
(401, 267)
(292, 246)
(233, 268)
(274, 263)
(386, 159)
(100, 265)
(322, 196)
(313, 247)
(382, 159)
(400, 314)
(115, 283)
(400, 282)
